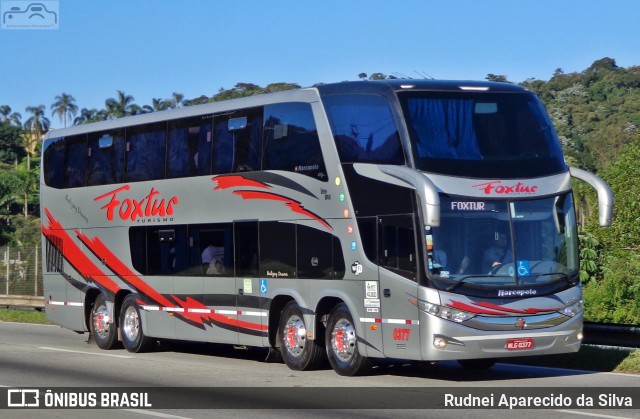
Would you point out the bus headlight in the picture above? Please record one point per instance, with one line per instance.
(446, 313)
(572, 310)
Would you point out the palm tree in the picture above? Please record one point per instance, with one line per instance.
(120, 106)
(13, 118)
(177, 100)
(160, 104)
(64, 107)
(37, 125)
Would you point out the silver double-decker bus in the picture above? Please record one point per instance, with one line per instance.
(420, 220)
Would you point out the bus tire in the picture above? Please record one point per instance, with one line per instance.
(298, 351)
(103, 329)
(342, 343)
(133, 336)
(477, 364)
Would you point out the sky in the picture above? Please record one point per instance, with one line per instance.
(152, 48)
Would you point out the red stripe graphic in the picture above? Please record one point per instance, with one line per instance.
(98, 247)
(493, 309)
(234, 181)
(72, 253)
(127, 275)
(293, 205)
(201, 318)
(531, 310)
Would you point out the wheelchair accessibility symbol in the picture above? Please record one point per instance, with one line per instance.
(523, 268)
(263, 286)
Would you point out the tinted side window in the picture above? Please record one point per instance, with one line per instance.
(196, 250)
(246, 248)
(189, 147)
(397, 245)
(291, 140)
(75, 161)
(364, 129)
(105, 161)
(237, 142)
(146, 152)
(53, 157)
(277, 250)
(319, 254)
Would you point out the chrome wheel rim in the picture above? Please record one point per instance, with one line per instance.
(294, 336)
(343, 340)
(131, 324)
(101, 320)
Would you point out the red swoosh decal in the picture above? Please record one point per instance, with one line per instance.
(202, 318)
(293, 205)
(127, 275)
(531, 310)
(74, 255)
(234, 181)
(493, 309)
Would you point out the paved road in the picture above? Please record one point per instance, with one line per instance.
(51, 357)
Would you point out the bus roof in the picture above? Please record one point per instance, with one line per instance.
(388, 86)
(310, 94)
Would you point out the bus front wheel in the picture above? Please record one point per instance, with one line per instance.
(298, 351)
(133, 336)
(103, 328)
(342, 343)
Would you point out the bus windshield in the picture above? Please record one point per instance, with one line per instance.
(481, 134)
(485, 246)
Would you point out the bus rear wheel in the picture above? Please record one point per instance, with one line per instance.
(133, 336)
(298, 351)
(342, 344)
(103, 328)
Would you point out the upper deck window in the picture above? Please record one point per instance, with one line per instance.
(364, 129)
(480, 134)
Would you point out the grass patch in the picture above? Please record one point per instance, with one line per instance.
(23, 316)
(589, 358)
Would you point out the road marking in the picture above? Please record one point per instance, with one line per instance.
(156, 414)
(46, 348)
(595, 415)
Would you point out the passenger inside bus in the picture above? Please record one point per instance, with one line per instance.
(213, 260)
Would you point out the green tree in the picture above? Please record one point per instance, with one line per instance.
(121, 106)
(176, 100)
(65, 107)
(37, 124)
(496, 77)
(11, 149)
(12, 118)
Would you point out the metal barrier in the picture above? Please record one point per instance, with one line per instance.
(20, 275)
(22, 301)
(612, 334)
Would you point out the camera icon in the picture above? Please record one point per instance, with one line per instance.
(25, 15)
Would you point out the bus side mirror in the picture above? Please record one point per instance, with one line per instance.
(605, 196)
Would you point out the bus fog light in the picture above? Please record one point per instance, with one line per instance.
(439, 343)
(579, 336)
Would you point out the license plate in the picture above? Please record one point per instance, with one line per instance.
(519, 344)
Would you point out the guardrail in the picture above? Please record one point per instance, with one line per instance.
(612, 334)
(22, 301)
